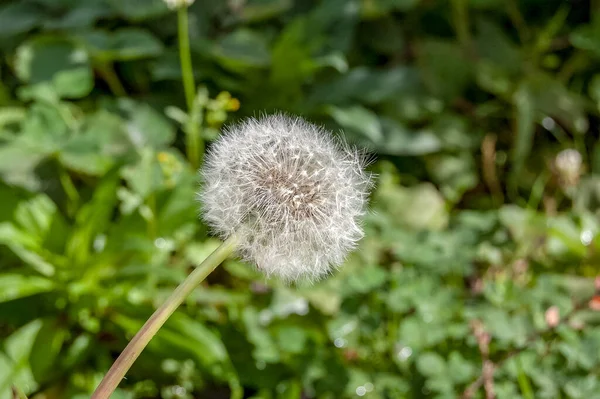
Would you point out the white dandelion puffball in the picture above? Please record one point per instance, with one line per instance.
(291, 192)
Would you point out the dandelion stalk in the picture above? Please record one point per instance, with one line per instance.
(124, 362)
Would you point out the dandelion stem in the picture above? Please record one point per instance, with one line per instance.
(155, 322)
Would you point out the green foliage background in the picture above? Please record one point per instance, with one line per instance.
(479, 235)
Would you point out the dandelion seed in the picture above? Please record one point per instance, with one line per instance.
(292, 193)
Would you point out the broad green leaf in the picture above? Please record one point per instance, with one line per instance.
(38, 230)
(189, 338)
(212, 349)
(10, 115)
(241, 49)
(18, 348)
(260, 10)
(377, 8)
(80, 14)
(400, 140)
(59, 62)
(455, 174)
(92, 219)
(44, 129)
(431, 364)
(444, 69)
(360, 120)
(14, 286)
(368, 278)
(122, 45)
(77, 351)
(45, 350)
(366, 85)
(18, 17)
(144, 177)
(136, 10)
(496, 49)
(26, 248)
(587, 37)
(145, 126)
(264, 347)
(419, 207)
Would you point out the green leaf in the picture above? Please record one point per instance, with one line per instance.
(367, 279)
(123, 44)
(18, 348)
(38, 229)
(377, 8)
(135, 10)
(77, 351)
(242, 48)
(44, 129)
(57, 61)
(144, 177)
(419, 207)
(366, 85)
(361, 120)
(444, 69)
(19, 17)
(14, 286)
(431, 364)
(79, 15)
(45, 350)
(92, 219)
(587, 37)
(145, 126)
(264, 348)
(291, 339)
(260, 10)
(207, 343)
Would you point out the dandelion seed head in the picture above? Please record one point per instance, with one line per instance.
(292, 192)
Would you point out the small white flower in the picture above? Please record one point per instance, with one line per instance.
(292, 193)
(568, 164)
(174, 4)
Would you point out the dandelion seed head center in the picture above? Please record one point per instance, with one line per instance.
(292, 186)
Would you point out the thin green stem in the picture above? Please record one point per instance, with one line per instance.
(195, 146)
(155, 322)
(514, 13)
(69, 188)
(107, 71)
(193, 143)
(185, 56)
(460, 16)
(523, 381)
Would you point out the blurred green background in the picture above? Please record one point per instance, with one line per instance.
(476, 276)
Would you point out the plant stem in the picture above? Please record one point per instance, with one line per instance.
(185, 57)
(194, 145)
(107, 71)
(69, 189)
(155, 322)
(193, 142)
(460, 16)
